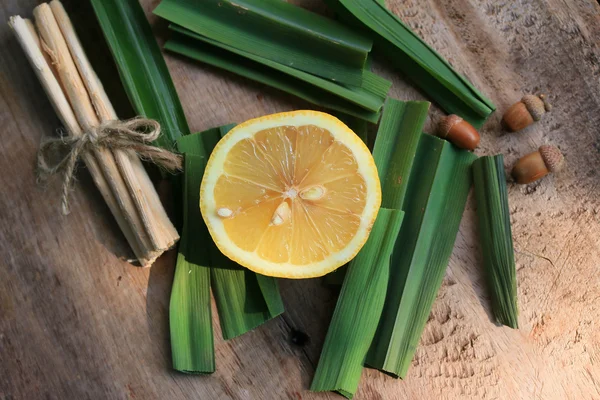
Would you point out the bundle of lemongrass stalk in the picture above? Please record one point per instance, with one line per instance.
(79, 99)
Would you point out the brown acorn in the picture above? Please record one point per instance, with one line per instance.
(524, 113)
(538, 164)
(459, 132)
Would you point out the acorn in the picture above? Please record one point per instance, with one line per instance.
(538, 164)
(459, 132)
(522, 114)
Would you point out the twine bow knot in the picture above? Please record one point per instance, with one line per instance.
(134, 135)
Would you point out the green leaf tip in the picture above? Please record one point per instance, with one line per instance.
(496, 237)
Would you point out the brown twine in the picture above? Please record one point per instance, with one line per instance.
(135, 134)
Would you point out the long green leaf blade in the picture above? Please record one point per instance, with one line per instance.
(252, 70)
(434, 202)
(370, 95)
(358, 309)
(244, 298)
(142, 67)
(190, 315)
(361, 301)
(496, 237)
(278, 31)
(417, 60)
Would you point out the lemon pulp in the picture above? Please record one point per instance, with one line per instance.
(291, 195)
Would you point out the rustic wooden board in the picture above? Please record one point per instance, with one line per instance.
(77, 322)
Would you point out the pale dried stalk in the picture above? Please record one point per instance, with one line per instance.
(153, 215)
(29, 41)
(54, 43)
(36, 38)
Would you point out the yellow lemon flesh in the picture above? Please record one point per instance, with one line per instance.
(291, 195)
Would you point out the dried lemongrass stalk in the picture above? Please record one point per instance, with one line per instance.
(120, 177)
(27, 37)
(156, 221)
(54, 43)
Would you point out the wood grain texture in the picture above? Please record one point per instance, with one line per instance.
(76, 321)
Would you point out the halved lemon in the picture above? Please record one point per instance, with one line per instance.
(290, 195)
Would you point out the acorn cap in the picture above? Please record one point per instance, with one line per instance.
(536, 105)
(552, 157)
(446, 124)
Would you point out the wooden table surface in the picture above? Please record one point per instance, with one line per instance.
(78, 322)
